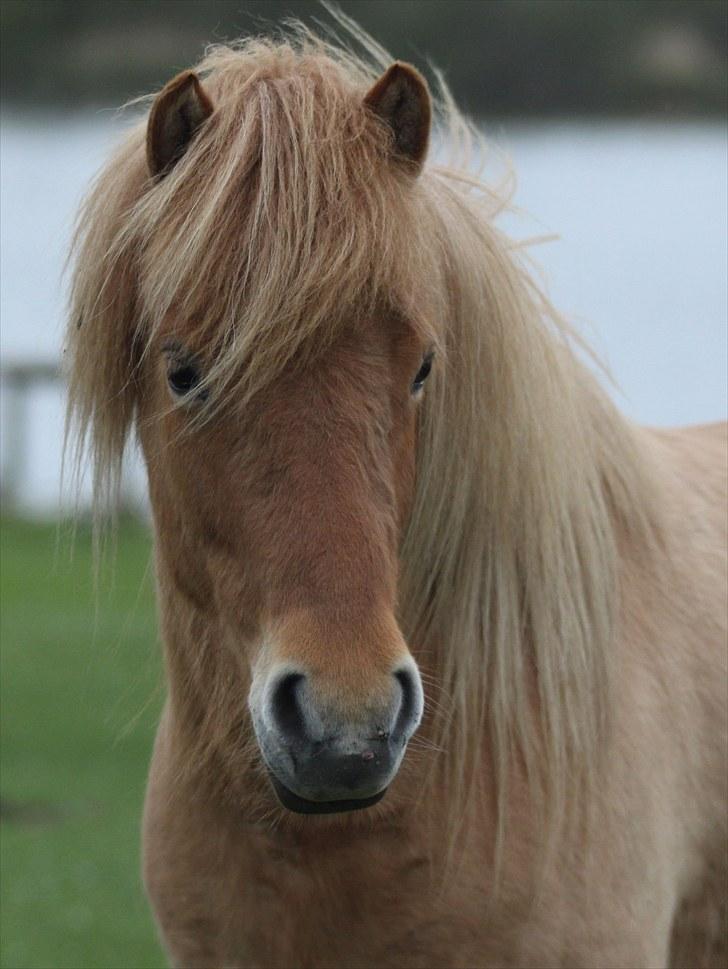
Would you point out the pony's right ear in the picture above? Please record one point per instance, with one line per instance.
(179, 110)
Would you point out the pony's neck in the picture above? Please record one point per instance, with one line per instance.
(530, 485)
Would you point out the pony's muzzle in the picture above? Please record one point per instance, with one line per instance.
(322, 761)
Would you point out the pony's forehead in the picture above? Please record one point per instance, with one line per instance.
(382, 328)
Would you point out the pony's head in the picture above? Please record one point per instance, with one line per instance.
(279, 349)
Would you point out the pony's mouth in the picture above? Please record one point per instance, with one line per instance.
(301, 805)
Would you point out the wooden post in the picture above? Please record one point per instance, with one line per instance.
(18, 379)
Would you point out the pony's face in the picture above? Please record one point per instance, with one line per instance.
(294, 504)
(293, 511)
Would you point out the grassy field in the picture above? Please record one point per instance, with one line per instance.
(81, 691)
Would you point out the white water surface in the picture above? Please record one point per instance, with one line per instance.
(641, 211)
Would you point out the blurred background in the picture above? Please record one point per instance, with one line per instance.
(613, 113)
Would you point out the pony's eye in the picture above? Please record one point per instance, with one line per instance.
(184, 374)
(423, 373)
(183, 378)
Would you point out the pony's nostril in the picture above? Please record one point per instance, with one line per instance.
(285, 706)
(409, 711)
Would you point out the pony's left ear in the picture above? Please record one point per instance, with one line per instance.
(179, 110)
(401, 99)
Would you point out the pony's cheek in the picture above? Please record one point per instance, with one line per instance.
(404, 455)
(245, 643)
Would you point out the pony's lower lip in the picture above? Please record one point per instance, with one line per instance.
(301, 805)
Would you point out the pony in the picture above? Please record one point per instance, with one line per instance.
(444, 633)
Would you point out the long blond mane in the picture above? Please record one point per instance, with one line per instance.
(271, 233)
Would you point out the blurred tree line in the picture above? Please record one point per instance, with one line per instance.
(515, 57)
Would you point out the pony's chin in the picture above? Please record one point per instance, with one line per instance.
(301, 805)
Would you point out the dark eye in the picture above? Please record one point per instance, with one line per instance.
(423, 373)
(184, 374)
(183, 378)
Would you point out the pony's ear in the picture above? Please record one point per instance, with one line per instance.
(177, 113)
(401, 99)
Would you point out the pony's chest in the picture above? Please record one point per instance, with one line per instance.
(353, 912)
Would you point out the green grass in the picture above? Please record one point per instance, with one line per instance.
(80, 692)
